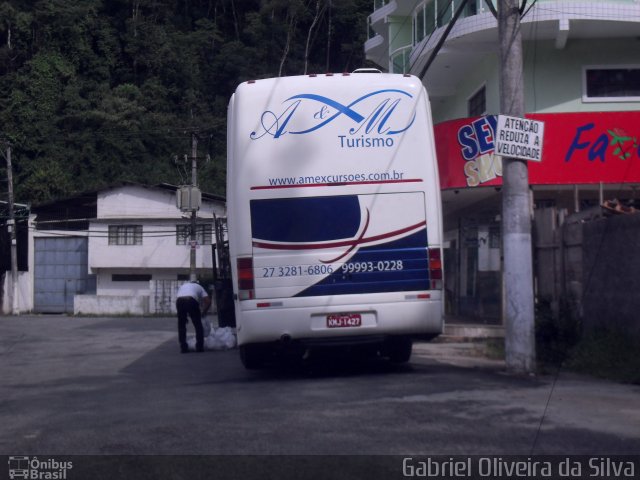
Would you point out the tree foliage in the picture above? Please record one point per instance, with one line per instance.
(101, 91)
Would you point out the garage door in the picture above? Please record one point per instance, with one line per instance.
(60, 273)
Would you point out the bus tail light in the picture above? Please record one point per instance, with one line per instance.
(435, 268)
(246, 286)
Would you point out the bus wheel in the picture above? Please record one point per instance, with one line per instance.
(252, 356)
(399, 349)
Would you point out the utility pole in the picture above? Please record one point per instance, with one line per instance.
(194, 184)
(12, 230)
(516, 209)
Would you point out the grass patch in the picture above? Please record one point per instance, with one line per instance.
(560, 343)
(494, 348)
(607, 354)
(555, 337)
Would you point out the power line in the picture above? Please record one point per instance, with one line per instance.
(438, 19)
(380, 59)
(443, 37)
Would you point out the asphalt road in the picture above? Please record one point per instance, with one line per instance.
(119, 386)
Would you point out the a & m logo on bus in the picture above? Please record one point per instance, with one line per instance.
(373, 120)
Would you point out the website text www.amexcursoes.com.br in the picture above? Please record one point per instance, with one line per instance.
(337, 179)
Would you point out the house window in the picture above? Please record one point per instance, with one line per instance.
(400, 62)
(203, 234)
(424, 21)
(429, 18)
(470, 9)
(419, 24)
(130, 277)
(445, 12)
(611, 84)
(125, 234)
(477, 103)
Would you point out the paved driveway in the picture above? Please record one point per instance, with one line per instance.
(96, 386)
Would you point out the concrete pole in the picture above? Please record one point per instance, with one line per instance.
(518, 302)
(12, 225)
(194, 183)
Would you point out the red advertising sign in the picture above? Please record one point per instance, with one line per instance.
(578, 148)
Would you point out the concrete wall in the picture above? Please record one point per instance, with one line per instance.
(611, 287)
(158, 249)
(110, 305)
(552, 78)
(23, 292)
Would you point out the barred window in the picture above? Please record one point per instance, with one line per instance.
(203, 234)
(125, 234)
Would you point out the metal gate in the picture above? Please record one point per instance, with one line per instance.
(164, 296)
(61, 272)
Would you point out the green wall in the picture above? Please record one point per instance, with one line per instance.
(552, 78)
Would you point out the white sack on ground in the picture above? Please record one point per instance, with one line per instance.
(206, 327)
(223, 338)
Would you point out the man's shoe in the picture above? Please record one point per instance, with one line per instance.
(184, 350)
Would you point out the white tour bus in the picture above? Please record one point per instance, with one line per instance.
(334, 214)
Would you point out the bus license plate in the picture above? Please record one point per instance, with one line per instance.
(344, 320)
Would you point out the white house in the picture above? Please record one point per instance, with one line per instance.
(121, 250)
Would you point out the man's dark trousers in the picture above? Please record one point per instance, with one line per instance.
(189, 307)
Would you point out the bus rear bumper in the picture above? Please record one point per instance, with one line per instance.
(347, 323)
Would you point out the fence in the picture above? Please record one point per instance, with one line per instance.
(587, 267)
(164, 296)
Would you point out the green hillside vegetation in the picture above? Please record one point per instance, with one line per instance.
(95, 92)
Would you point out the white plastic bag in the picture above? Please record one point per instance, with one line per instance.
(227, 337)
(223, 338)
(206, 326)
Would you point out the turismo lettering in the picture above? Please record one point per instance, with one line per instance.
(365, 142)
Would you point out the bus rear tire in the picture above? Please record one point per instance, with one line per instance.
(252, 356)
(399, 349)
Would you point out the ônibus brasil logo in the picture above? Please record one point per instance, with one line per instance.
(375, 118)
(34, 468)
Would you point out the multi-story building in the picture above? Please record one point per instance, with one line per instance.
(581, 76)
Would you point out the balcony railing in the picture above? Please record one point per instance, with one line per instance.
(437, 13)
(399, 59)
(379, 4)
